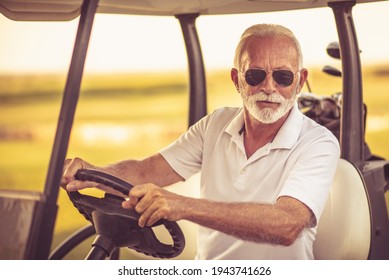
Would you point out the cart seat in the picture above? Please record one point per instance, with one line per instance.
(21, 216)
(344, 229)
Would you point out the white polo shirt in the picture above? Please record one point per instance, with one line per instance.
(300, 162)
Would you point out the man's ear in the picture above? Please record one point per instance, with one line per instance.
(303, 78)
(235, 78)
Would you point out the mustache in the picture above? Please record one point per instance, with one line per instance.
(261, 96)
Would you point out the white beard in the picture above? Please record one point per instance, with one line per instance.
(267, 115)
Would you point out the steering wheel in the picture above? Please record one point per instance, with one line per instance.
(120, 225)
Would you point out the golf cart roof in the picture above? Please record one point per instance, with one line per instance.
(60, 10)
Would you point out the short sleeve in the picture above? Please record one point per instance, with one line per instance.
(311, 177)
(185, 154)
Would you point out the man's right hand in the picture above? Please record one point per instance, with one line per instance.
(69, 182)
(70, 169)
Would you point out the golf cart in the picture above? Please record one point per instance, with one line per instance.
(355, 223)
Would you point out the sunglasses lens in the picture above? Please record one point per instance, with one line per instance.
(255, 76)
(283, 77)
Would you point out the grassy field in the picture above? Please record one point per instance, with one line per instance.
(128, 116)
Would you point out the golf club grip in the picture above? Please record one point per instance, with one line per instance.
(103, 178)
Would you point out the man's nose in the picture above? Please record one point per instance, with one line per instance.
(269, 85)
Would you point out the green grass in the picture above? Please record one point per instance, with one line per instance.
(154, 108)
(29, 109)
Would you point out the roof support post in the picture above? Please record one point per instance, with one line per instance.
(374, 172)
(65, 121)
(197, 82)
(70, 99)
(352, 125)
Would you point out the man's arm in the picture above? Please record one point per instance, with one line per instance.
(153, 170)
(278, 223)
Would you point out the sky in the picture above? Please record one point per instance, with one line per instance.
(122, 43)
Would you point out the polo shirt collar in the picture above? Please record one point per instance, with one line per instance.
(236, 125)
(286, 137)
(289, 132)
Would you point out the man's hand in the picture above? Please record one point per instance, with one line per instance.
(69, 182)
(155, 203)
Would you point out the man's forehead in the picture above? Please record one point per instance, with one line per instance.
(282, 42)
(279, 49)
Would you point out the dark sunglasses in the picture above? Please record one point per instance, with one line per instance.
(255, 77)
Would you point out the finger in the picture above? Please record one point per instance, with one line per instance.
(80, 185)
(66, 164)
(151, 215)
(156, 216)
(133, 201)
(130, 202)
(126, 204)
(109, 190)
(65, 167)
(141, 197)
(145, 200)
(70, 169)
(139, 191)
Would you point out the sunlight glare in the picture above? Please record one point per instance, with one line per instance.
(105, 133)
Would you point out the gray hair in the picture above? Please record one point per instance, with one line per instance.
(262, 31)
